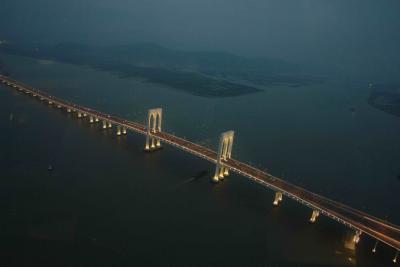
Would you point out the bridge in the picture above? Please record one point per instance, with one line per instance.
(360, 222)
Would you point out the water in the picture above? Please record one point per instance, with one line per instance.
(106, 203)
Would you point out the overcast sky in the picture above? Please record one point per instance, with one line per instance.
(354, 34)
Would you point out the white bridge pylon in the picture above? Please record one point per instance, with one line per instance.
(154, 122)
(224, 153)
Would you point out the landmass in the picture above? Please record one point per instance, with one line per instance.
(386, 97)
(3, 70)
(206, 74)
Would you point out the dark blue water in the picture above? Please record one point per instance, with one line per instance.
(106, 203)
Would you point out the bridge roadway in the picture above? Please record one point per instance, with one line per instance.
(359, 221)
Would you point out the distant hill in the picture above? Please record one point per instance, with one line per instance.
(208, 74)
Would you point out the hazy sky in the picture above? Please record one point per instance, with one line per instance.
(350, 34)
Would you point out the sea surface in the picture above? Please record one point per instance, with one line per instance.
(107, 203)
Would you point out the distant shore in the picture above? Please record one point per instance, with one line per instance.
(386, 97)
(204, 74)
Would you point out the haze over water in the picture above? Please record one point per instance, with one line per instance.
(107, 201)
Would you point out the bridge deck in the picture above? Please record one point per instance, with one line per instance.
(384, 231)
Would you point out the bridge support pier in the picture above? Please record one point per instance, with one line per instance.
(226, 171)
(278, 198)
(50, 102)
(356, 237)
(84, 114)
(118, 130)
(221, 173)
(68, 110)
(124, 130)
(147, 146)
(395, 256)
(109, 125)
(58, 106)
(154, 123)
(216, 179)
(158, 143)
(79, 114)
(91, 119)
(96, 119)
(104, 125)
(224, 153)
(314, 216)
